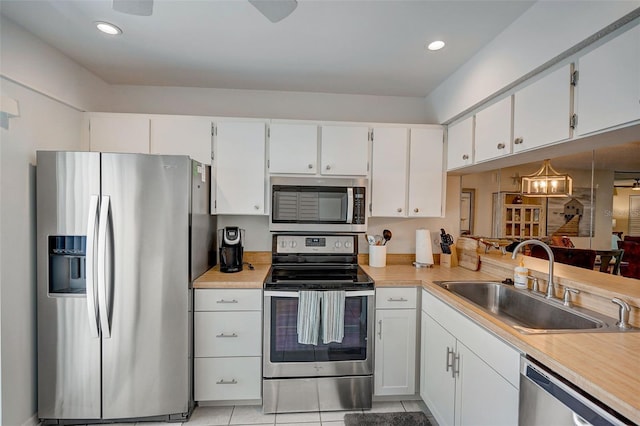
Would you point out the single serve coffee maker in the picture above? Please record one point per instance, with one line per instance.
(230, 239)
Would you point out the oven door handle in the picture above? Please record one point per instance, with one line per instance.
(294, 294)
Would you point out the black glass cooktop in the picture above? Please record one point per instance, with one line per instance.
(318, 276)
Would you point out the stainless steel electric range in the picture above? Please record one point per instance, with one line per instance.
(317, 376)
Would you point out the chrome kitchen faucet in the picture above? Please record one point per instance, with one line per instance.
(551, 294)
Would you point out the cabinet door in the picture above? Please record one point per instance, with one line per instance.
(547, 101)
(344, 150)
(440, 384)
(128, 133)
(240, 168)
(493, 131)
(426, 178)
(389, 172)
(460, 144)
(609, 84)
(182, 136)
(483, 396)
(293, 148)
(395, 352)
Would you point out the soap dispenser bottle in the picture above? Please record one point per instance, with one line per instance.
(520, 276)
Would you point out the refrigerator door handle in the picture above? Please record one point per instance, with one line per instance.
(102, 260)
(90, 263)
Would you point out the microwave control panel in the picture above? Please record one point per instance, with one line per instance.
(359, 205)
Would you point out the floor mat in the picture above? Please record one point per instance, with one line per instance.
(417, 418)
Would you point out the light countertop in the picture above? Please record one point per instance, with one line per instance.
(606, 365)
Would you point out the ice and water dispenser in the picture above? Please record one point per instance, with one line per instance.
(67, 263)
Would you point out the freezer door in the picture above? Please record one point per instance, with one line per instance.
(145, 348)
(68, 344)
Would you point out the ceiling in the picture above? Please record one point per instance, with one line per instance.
(328, 46)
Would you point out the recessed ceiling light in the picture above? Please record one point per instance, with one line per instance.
(436, 45)
(108, 28)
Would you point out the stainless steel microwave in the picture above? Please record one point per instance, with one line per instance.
(318, 204)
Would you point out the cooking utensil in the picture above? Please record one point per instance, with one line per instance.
(371, 240)
(379, 240)
(386, 234)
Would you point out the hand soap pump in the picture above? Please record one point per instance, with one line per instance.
(520, 276)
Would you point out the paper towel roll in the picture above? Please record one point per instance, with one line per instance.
(424, 251)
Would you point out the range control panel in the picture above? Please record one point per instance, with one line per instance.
(329, 244)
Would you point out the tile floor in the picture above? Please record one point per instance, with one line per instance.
(245, 415)
(252, 415)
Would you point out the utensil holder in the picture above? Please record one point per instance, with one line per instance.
(378, 256)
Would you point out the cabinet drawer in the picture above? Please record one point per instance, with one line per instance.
(227, 378)
(396, 298)
(228, 334)
(228, 300)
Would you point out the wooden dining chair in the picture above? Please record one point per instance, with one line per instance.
(606, 257)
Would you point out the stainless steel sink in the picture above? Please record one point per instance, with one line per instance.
(529, 312)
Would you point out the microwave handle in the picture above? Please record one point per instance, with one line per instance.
(349, 205)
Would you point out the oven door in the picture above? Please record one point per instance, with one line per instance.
(285, 357)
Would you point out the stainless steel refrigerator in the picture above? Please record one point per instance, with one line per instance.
(120, 237)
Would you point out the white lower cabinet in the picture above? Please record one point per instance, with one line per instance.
(395, 341)
(468, 376)
(227, 344)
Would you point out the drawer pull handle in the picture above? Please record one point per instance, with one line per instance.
(380, 329)
(227, 335)
(501, 146)
(226, 382)
(402, 299)
(465, 157)
(518, 141)
(227, 301)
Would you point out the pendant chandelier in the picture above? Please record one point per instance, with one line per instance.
(547, 182)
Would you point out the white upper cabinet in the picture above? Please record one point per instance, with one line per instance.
(426, 177)
(389, 172)
(609, 84)
(239, 159)
(406, 174)
(542, 111)
(344, 150)
(293, 148)
(182, 136)
(493, 131)
(460, 144)
(127, 133)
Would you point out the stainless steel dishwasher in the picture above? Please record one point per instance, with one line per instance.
(546, 399)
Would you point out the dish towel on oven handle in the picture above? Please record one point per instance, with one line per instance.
(308, 317)
(333, 316)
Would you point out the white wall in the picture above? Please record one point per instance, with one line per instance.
(29, 61)
(43, 124)
(544, 31)
(267, 104)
